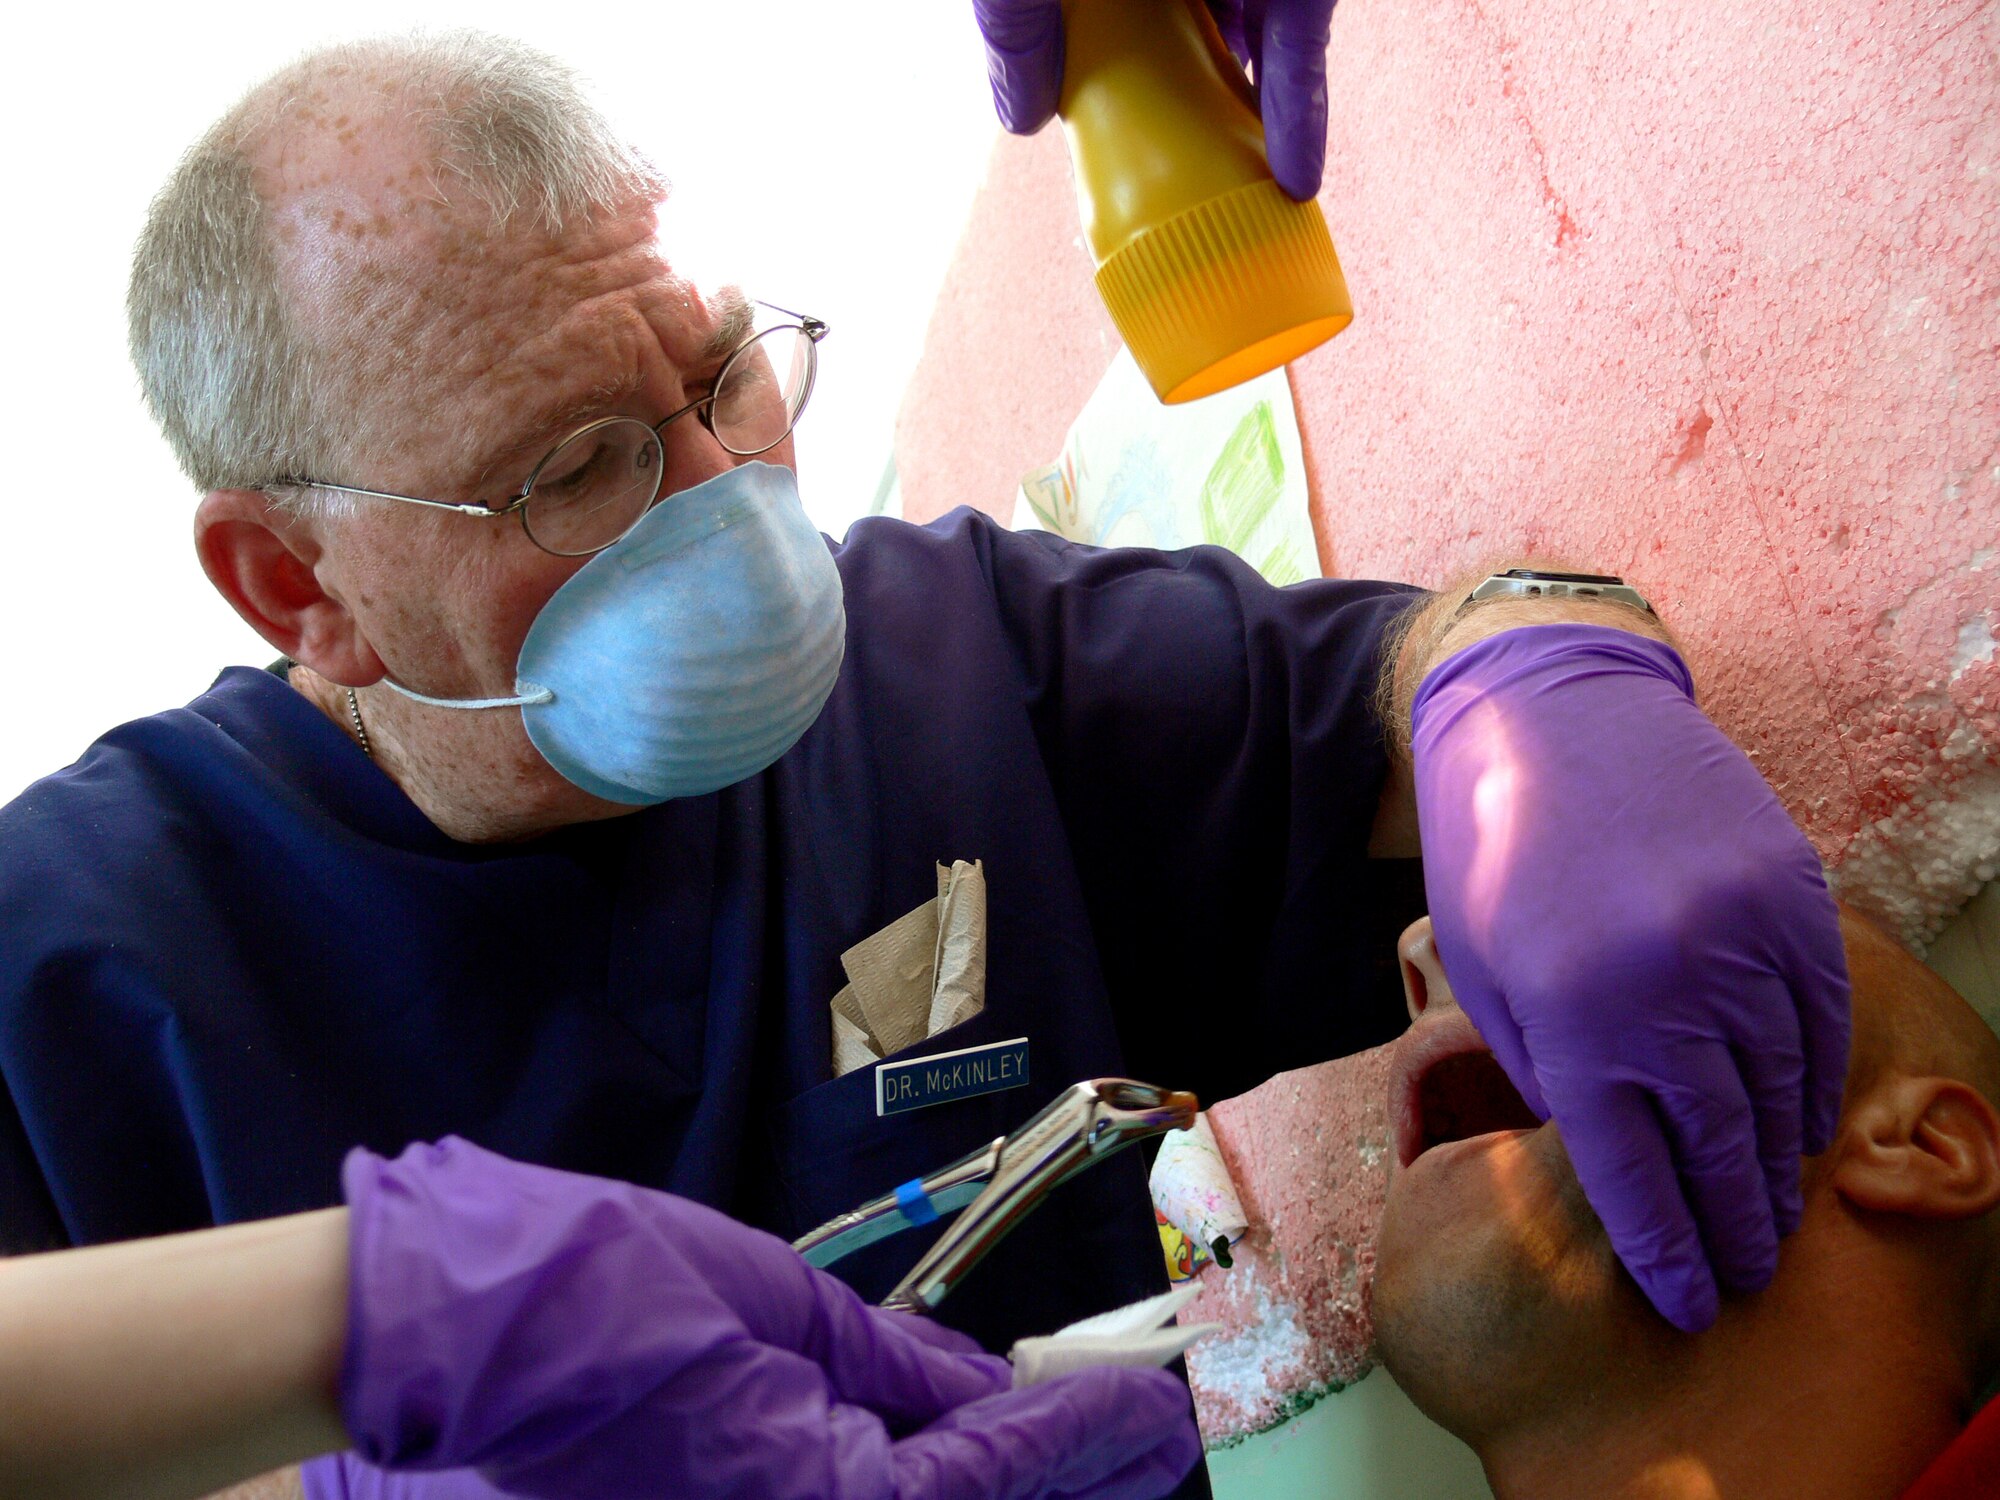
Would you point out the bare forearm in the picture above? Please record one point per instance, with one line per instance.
(175, 1366)
(1434, 631)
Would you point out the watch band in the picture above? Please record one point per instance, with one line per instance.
(1528, 583)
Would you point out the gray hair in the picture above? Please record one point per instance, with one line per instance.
(244, 393)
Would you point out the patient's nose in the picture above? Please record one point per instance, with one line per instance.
(1424, 983)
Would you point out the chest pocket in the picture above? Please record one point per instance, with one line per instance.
(832, 1152)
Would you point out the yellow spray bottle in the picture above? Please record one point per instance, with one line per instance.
(1210, 272)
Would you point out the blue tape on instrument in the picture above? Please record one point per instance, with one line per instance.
(916, 1203)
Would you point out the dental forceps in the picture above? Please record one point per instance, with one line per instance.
(1002, 1182)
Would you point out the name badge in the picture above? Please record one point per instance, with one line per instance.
(922, 1081)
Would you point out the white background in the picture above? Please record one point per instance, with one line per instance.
(826, 152)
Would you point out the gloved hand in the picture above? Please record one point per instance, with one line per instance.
(1051, 1440)
(570, 1336)
(1643, 937)
(1282, 42)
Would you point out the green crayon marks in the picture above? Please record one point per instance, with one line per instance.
(1246, 481)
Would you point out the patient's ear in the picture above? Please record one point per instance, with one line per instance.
(1928, 1148)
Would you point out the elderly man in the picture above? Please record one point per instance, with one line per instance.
(1501, 1309)
(587, 762)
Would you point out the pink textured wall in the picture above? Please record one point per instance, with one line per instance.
(1704, 294)
(1017, 342)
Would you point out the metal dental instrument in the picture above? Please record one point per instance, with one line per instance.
(1002, 1182)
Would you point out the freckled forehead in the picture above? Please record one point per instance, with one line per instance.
(332, 147)
(450, 322)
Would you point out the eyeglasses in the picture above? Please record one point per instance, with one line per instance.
(595, 484)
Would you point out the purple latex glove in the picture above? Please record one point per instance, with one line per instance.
(1052, 1441)
(1281, 42)
(1644, 938)
(569, 1336)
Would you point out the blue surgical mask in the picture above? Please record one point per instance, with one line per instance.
(690, 654)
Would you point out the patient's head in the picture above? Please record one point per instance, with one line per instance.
(1499, 1304)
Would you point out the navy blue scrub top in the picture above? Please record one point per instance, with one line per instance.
(231, 948)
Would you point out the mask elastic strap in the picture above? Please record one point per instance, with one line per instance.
(535, 693)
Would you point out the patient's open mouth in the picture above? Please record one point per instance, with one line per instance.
(1447, 1086)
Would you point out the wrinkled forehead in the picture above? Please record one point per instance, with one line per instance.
(441, 298)
(434, 311)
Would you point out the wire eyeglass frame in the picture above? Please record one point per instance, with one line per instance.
(810, 328)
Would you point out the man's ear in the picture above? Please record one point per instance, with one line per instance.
(1927, 1148)
(265, 562)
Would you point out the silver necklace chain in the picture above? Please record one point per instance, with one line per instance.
(354, 716)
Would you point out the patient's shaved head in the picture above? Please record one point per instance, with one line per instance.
(1908, 1019)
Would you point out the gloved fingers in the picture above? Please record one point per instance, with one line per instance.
(890, 1363)
(903, 1367)
(1291, 90)
(1102, 1433)
(1152, 1473)
(343, 1476)
(327, 1478)
(1624, 1163)
(1024, 59)
(929, 1331)
(1790, 929)
(1773, 1078)
(1250, 21)
(1228, 16)
(1713, 1132)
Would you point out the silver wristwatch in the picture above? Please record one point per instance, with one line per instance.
(1528, 583)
